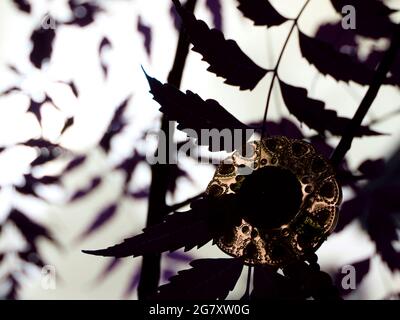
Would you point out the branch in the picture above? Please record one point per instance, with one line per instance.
(379, 77)
(150, 275)
(275, 71)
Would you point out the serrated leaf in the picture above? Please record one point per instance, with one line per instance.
(261, 12)
(283, 128)
(225, 57)
(183, 229)
(331, 62)
(192, 112)
(208, 279)
(313, 113)
(206, 219)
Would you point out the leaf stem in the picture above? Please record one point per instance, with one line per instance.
(160, 175)
(376, 83)
(275, 70)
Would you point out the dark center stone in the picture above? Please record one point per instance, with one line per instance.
(270, 197)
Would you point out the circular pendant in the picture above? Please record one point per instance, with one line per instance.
(288, 199)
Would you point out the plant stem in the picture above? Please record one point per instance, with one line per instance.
(150, 275)
(275, 70)
(376, 83)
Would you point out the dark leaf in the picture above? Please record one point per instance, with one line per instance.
(23, 5)
(175, 172)
(372, 168)
(331, 62)
(192, 112)
(29, 229)
(42, 40)
(140, 194)
(73, 164)
(40, 143)
(179, 256)
(182, 229)
(312, 281)
(347, 43)
(377, 206)
(104, 44)
(68, 123)
(176, 19)
(208, 279)
(14, 288)
(361, 270)
(187, 229)
(73, 87)
(101, 218)
(116, 125)
(14, 69)
(270, 285)
(10, 90)
(225, 57)
(28, 188)
(85, 191)
(216, 11)
(283, 128)
(372, 17)
(146, 32)
(382, 229)
(313, 113)
(83, 13)
(35, 107)
(32, 256)
(110, 267)
(261, 12)
(129, 165)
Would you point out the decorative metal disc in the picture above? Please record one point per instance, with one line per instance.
(311, 213)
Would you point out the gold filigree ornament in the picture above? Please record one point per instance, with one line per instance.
(288, 199)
